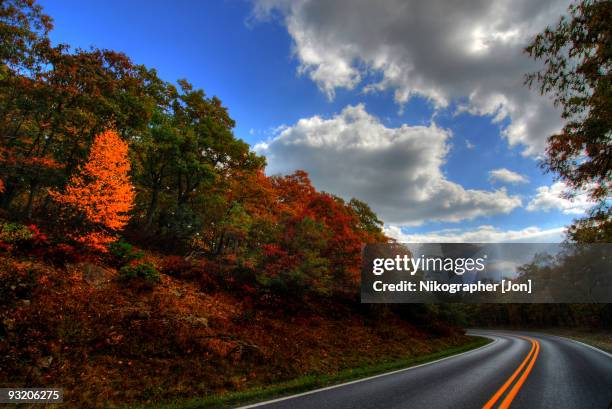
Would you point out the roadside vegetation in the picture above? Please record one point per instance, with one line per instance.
(132, 340)
(315, 381)
(145, 255)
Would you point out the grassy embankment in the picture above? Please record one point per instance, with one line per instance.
(314, 381)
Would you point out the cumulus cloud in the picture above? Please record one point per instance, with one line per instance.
(470, 52)
(507, 176)
(396, 170)
(552, 198)
(482, 234)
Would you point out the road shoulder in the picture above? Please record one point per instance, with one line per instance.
(315, 383)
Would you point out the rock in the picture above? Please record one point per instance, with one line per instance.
(44, 362)
(94, 275)
(196, 321)
(9, 324)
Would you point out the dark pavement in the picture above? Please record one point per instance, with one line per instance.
(563, 374)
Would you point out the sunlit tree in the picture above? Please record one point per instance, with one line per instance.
(99, 196)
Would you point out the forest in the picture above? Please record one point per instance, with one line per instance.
(95, 146)
(143, 244)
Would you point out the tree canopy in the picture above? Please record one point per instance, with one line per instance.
(93, 145)
(577, 57)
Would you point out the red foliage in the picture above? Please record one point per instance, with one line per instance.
(38, 238)
(308, 240)
(62, 254)
(178, 266)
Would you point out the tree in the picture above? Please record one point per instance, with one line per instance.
(368, 220)
(51, 112)
(186, 161)
(24, 44)
(157, 151)
(577, 56)
(23, 28)
(313, 243)
(53, 100)
(99, 196)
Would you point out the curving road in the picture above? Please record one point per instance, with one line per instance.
(517, 370)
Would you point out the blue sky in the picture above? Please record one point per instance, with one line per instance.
(290, 74)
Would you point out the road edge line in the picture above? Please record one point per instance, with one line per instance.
(606, 353)
(609, 355)
(534, 333)
(326, 388)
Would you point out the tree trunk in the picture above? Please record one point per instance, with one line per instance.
(31, 196)
(152, 208)
(8, 195)
(219, 249)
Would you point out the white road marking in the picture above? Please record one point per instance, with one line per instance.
(495, 341)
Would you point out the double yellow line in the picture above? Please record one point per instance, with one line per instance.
(529, 361)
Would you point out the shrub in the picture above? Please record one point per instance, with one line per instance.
(29, 239)
(14, 233)
(178, 266)
(124, 253)
(38, 238)
(61, 253)
(194, 270)
(146, 272)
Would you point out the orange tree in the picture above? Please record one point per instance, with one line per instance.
(96, 202)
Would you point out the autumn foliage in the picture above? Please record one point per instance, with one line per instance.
(576, 74)
(143, 244)
(99, 196)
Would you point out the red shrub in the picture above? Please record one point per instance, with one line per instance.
(178, 266)
(61, 254)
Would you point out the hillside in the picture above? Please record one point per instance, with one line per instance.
(82, 324)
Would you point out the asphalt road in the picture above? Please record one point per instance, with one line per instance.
(518, 370)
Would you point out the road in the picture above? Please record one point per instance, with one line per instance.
(517, 370)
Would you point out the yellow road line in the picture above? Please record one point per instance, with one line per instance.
(500, 391)
(512, 394)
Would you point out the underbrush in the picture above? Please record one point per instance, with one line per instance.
(136, 327)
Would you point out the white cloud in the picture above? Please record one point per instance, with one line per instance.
(469, 51)
(507, 176)
(396, 170)
(552, 198)
(482, 234)
(469, 144)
